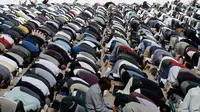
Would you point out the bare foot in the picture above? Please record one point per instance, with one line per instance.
(112, 86)
(147, 67)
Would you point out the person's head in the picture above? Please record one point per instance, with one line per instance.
(157, 26)
(125, 77)
(166, 108)
(189, 65)
(3, 85)
(76, 49)
(153, 71)
(104, 83)
(45, 1)
(136, 84)
(136, 80)
(20, 107)
(120, 99)
(145, 2)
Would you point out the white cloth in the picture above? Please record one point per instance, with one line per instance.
(89, 43)
(80, 55)
(198, 65)
(191, 101)
(49, 65)
(11, 62)
(8, 38)
(127, 88)
(124, 42)
(37, 83)
(118, 64)
(78, 87)
(22, 14)
(164, 58)
(29, 102)
(79, 79)
(48, 76)
(173, 73)
(64, 34)
(86, 66)
(49, 58)
(19, 58)
(190, 53)
(137, 91)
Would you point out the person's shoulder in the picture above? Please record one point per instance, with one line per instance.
(94, 88)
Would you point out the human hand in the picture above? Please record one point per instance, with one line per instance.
(115, 109)
(136, 48)
(50, 110)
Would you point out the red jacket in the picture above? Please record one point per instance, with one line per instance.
(178, 64)
(5, 43)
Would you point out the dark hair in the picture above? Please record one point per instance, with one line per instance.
(125, 77)
(136, 80)
(135, 84)
(166, 108)
(106, 82)
(120, 99)
(157, 26)
(45, 1)
(20, 107)
(59, 77)
(140, 62)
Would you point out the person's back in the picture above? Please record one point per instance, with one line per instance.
(191, 101)
(136, 107)
(91, 93)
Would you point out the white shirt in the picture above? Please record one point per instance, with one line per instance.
(64, 34)
(18, 58)
(89, 43)
(137, 91)
(11, 62)
(79, 79)
(124, 42)
(86, 66)
(49, 65)
(191, 101)
(37, 83)
(173, 73)
(49, 58)
(153, 43)
(79, 87)
(118, 64)
(190, 53)
(7, 38)
(164, 58)
(45, 74)
(77, 69)
(80, 55)
(198, 64)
